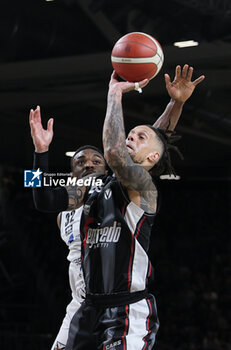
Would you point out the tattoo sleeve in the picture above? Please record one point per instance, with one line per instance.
(131, 175)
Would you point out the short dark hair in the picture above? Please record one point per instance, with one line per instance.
(167, 138)
(82, 148)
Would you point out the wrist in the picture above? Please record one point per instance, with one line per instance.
(41, 149)
(41, 161)
(176, 102)
(115, 91)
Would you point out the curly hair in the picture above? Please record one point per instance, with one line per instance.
(164, 165)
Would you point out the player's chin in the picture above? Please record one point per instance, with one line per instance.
(130, 152)
(129, 149)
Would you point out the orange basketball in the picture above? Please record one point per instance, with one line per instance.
(137, 56)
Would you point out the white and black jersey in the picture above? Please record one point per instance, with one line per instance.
(118, 312)
(115, 240)
(70, 233)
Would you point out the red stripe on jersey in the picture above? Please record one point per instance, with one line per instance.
(150, 269)
(123, 209)
(88, 221)
(130, 263)
(138, 231)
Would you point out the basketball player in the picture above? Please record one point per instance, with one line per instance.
(118, 312)
(69, 224)
(162, 120)
(86, 160)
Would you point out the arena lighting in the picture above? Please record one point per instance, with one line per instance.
(69, 153)
(186, 43)
(49, 0)
(169, 177)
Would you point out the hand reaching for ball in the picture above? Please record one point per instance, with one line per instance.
(182, 87)
(124, 86)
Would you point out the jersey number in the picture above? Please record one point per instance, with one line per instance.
(69, 218)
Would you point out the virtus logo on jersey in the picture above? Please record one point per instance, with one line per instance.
(107, 193)
(101, 237)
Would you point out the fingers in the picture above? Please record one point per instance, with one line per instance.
(187, 73)
(31, 122)
(184, 71)
(50, 125)
(178, 72)
(167, 79)
(114, 75)
(143, 83)
(113, 78)
(190, 73)
(37, 115)
(31, 115)
(198, 80)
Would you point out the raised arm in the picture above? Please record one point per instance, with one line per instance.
(132, 175)
(48, 199)
(179, 90)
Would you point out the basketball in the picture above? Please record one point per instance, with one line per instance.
(137, 56)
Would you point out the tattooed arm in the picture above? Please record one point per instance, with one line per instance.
(133, 176)
(76, 193)
(179, 90)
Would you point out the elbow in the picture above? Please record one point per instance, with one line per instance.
(111, 155)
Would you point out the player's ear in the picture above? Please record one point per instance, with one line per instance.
(154, 157)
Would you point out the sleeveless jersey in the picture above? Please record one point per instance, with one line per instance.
(115, 240)
(70, 232)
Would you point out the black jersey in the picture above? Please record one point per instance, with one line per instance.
(115, 239)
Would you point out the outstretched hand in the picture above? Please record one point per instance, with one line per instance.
(125, 86)
(41, 137)
(182, 86)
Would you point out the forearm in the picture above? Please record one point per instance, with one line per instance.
(48, 199)
(113, 130)
(171, 115)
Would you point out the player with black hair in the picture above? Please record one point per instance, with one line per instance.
(118, 311)
(86, 160)
(56, 199)
(166, 138)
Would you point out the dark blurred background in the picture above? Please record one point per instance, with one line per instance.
(57, 54)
